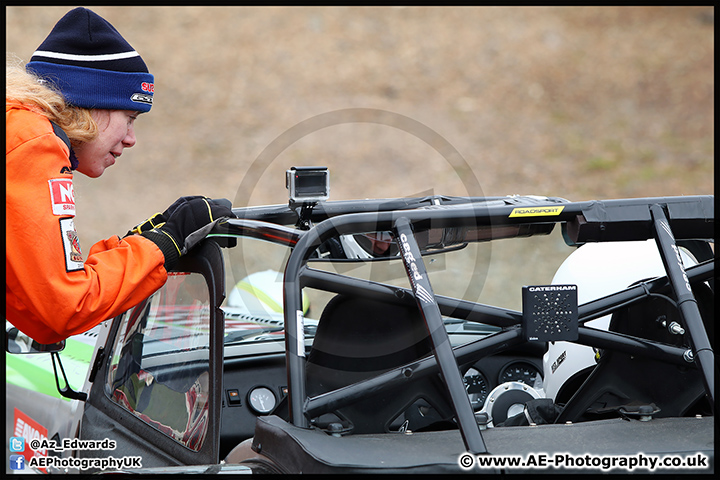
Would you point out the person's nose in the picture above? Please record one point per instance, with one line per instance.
(129, 139)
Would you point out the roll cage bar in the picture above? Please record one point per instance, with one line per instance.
(668, 220)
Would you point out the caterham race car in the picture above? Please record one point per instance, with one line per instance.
(411, 335)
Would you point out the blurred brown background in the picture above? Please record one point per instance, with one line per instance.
(577, 102)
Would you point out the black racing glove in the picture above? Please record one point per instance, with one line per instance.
(183, 200)
(186, 222)
(160, 218)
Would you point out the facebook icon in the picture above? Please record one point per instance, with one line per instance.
(17, 462)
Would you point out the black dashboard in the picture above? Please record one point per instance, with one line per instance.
(256, 385)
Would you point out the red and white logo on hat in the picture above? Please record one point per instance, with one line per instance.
(62, 196)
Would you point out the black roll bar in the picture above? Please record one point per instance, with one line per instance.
(687, 305)
(494, 343)
(684, 218)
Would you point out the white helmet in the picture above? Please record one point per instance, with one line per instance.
(598, 269)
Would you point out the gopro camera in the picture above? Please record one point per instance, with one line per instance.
(308, 185)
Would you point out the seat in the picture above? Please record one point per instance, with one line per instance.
(624, 383)
(359, 338)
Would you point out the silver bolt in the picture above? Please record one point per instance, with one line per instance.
(676, 329)
(688, 356)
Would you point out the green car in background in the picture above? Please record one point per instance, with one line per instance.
(35, 408)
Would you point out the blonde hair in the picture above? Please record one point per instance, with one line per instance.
(26, 88)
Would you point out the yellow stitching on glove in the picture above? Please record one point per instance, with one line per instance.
(172, 239)
(209, 209)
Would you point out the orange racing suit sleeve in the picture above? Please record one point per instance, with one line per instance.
(51, 292)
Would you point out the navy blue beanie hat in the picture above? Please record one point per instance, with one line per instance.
(92, 65)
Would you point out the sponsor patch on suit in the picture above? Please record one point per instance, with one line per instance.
(71, 244)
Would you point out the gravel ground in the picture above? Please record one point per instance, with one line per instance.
(576, 102)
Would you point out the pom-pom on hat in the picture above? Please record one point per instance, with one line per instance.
(92, 65)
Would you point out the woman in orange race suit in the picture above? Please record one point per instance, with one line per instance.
(72, 109)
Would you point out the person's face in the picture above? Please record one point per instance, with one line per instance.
(117, 132)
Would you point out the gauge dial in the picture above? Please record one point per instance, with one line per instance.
(521, 372)
(476, 386)
(262, 400)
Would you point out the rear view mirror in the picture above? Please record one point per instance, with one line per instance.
(18, 342)
(382, 245)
